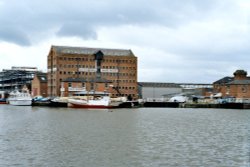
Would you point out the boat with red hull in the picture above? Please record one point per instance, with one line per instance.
(3, 101)
(90, 106)
(92, 102)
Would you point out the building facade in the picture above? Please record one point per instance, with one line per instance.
(197, 89)
(39, 85)
(237, 86)
(16, 78)
(115, 68)
(155, 91)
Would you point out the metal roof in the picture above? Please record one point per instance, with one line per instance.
(224, 80)
(42, 77)
(91, 51)
(230, 80)
(158, 84)
(239, 82)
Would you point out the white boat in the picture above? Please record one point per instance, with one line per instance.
(179, 99)
(20, 98)
(94, 100)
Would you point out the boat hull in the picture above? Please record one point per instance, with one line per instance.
(3, 101)
(90, 106)
(20, 102)
(17, 98)
(58, 104)
(103, 102)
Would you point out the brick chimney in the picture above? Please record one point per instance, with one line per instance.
(240, 75)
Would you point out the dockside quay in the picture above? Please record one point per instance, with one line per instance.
(75, 70)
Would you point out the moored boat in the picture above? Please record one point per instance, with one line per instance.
(59, 102)
(3, 101)
(22, 98)
(91, 103)
(40, 101)
(94, 100)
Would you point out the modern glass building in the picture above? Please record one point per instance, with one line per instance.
(16, 78)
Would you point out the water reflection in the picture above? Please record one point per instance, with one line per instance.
(33, 136)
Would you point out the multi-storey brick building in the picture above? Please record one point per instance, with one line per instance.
(73, 69)
(237, 86)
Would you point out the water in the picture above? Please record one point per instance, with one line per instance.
(144, 137)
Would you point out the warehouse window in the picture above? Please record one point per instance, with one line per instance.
(92, 86)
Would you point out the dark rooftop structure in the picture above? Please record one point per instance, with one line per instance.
(240, 72)
(224, 80)
(42, 77)
(91, 51)
(240, 78)
(239, 82)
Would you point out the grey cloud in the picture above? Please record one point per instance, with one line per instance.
(81, 17)
(77, 29)
(187, 43)
(12, 35)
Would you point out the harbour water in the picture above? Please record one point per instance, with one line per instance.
(142, 137)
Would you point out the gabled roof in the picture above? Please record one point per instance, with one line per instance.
(230, 80)
(239, 82)
(91, 51)
(42, 77)
(224, 80)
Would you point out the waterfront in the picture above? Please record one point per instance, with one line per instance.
(142, 137)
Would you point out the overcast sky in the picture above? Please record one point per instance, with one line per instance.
(198, 41)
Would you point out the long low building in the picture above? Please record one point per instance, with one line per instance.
(153, 91)
(158, 91)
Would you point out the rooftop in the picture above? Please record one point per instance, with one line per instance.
(224, 80)
(91, 51)
(42, 77)
(158, 84)
(239, 82)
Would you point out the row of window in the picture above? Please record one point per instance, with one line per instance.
(78, 59)
(126, 88)
(92, 66)
(75, 66)
(123, 81)
(120, 67)
(93, 73)
(92, 85)
(114, 81)
(119, 74)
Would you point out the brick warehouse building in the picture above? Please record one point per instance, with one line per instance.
(72, 69)
(237, 86)
(39, 85)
